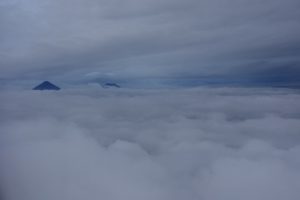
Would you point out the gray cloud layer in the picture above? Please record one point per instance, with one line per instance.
(221, 144)
(253, 39)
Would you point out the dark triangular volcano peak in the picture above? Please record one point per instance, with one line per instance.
(46, 85)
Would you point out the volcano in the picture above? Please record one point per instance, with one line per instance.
(46, 85)
(111, 85)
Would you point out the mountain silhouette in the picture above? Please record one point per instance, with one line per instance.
(111, 85)
(46, 85)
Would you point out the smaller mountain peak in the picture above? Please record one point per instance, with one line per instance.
(110, 85)
(46, 85)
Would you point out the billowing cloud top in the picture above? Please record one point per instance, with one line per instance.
(194, 144)
(254, 40)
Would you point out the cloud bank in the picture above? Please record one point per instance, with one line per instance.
(208, 144)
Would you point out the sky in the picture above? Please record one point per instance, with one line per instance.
(195, 144)
(190, 42)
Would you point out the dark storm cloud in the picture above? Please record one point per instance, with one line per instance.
(150, 38)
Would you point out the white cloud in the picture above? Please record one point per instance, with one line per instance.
(225, 143)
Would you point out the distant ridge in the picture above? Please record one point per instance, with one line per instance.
(46, 85)
(111, 85)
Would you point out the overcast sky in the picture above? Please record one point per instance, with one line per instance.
(85, 40)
